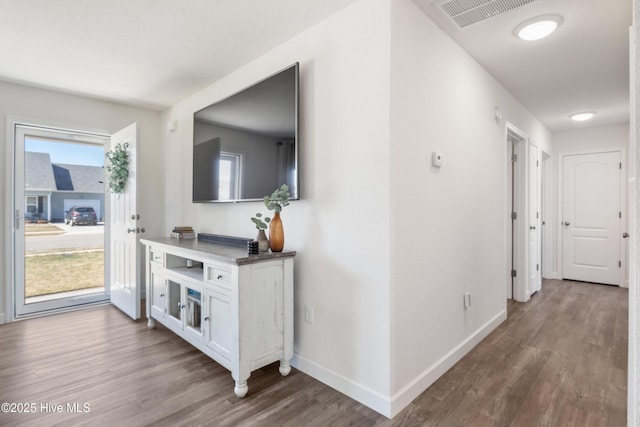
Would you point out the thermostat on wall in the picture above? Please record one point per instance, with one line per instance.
(437, 159)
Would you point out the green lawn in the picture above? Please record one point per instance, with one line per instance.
(53, 273)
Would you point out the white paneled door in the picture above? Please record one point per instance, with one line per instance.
(591, 217)
(123, 221)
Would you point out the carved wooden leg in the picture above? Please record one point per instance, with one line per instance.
(151, 323)
(285, 367)
(241, 388)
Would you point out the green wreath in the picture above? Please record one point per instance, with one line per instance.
(118, 168)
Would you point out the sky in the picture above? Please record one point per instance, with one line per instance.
(68, 153)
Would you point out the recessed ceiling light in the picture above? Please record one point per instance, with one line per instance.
(581, 117)
(538, 28)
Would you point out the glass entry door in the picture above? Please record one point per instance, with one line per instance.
(59, 211)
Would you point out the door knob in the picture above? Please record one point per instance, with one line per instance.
(532, 227)
(625, 235)
(142, 230)
(131, 230)
(567, 223)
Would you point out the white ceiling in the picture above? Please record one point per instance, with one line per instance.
(154, 53)
(150, 53)
(583, 66)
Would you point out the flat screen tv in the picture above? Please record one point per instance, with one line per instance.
(245, 146)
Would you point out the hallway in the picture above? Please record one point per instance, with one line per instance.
(558, 360)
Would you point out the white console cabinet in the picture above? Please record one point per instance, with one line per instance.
(234, 307)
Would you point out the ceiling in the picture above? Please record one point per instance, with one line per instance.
(154, 53)
(150, 53)
(582, 66)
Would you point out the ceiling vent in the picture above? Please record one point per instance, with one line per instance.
(464, 13)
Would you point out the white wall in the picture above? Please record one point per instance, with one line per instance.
(75, 111)
(587, 140)
(592, 139)
(448, 224)
(340, 228)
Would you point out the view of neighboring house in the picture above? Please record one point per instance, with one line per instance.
(51, 189)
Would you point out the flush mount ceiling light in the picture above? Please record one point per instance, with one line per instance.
(581, 117)
(538, 28)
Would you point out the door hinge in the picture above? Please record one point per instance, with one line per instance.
(513, 273)
(619, 214)
(514, 157)
(619, 264)
(537, 163)
(537, 215)
(514, 215)
(537, 267)
(620, 165)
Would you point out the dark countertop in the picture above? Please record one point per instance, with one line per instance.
(216, 251)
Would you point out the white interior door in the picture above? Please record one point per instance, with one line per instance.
(591, 217)
(535, 278)
(123, 220)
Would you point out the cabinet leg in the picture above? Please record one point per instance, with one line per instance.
(285, 368)
(151, 323)
(241, 388)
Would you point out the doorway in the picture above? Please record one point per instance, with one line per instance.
(524, 205)
(58, 229)
(515, 205)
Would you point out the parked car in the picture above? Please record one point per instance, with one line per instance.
(81, 215)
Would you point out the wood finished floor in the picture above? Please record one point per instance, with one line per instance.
(559, 360)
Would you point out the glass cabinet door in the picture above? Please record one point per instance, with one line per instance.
(174, 301)
(193, 310)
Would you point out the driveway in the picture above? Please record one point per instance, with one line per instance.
(76, 237)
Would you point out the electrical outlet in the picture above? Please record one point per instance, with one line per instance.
(467, 299)
(308, 314)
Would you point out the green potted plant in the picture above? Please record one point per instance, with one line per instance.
(276, 202)
(261, 224)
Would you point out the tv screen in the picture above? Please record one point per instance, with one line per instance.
(245, 146)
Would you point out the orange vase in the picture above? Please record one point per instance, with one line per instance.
(276, 233)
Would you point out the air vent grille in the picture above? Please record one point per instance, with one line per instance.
(464, 13)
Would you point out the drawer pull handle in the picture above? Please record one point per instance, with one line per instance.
(161, 295)
(206, 319)
(219, 276)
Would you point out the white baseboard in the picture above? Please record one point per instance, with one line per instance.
(555, 276)
(382, 404)
(358, 392)
(3, 318)
(419, 384)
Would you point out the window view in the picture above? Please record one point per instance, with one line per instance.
(64, 213)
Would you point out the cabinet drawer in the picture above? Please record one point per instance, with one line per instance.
(219, 274)
(156, 256)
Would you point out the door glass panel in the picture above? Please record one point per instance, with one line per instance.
(59, 248)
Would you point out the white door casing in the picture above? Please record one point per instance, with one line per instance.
(518, 232)
(123, 220)
(535, 277)
(591, 217)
